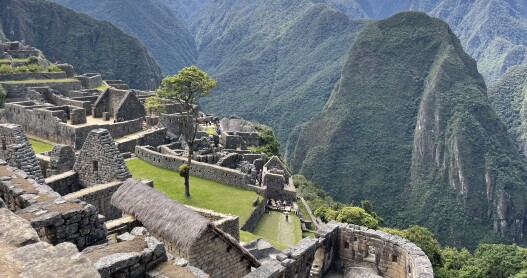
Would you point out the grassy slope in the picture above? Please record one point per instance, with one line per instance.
(39, 147)
(159, 29)
(365, 143)
(63, 35)
(204, 193)
(276, 62)
(269, 228)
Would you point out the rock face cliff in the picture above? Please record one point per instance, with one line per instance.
(88, 44)
(509, 98)
(410, 128)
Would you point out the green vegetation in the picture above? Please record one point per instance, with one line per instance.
(153, 106)
(269, 145)
(39, 147)
(102, 87)
(187, 88)
(41, 81)
(205, 193)
(211, 130)
(14, 60)
(3, 96)
(365, 144)
(158, 27)
(61, 34)
(273, 227)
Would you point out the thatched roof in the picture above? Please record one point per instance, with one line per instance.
(168, 218)
(160, 214)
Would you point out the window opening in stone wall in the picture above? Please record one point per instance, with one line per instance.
(346, 245)
(394, 258)
(4, 147)
(354, 238)
(409, 269)
(95, 165)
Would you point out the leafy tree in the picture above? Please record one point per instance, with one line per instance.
(154, 106)
(357, 216)
(499, 260)
(268, 142)
(368, 207)
(3, 96)
(186, 88)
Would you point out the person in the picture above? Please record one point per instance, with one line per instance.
(286, 217)
(259, 178)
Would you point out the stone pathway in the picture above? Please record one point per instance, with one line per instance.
(286, 231)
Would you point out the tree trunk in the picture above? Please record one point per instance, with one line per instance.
(187, 176)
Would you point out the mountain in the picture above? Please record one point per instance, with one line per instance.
(160, 29)
(186, 9)
(275, 61)
(410, 128)
(88, 44)
(509, 98)
(494, 32)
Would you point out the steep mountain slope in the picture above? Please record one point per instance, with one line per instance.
(186, 9)
(274, 62)
(509, 98)
(63, 35)
(409, 127)
(494, 32)
(162, 31)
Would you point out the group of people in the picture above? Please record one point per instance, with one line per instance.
(118, 120)
(279, 204)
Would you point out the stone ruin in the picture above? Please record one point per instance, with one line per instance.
(17, 50)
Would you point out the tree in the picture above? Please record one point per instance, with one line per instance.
(424, 239)
(3, 96)
(153, 106)
(186, 88)
(357, 216)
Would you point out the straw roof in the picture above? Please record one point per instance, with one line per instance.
(160, 214)
(168, 218)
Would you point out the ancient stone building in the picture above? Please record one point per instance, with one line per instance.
(120, 104)
(100, 161)
(62, 159)
(186, 234)
(278, 181)
(17, 151)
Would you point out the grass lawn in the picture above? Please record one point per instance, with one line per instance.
(273, 227)
(62, 80)
(204, 193)
(211, 130)
(102, 87)
(16, 60)
(39, 147)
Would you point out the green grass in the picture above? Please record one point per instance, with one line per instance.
(304, 211)
(62, 80)
(306, 234)
(269, 228)
(39, 147)
(102, 87)
(211, 130)
(204, 193)
(7, 61)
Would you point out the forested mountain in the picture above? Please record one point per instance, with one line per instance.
(509, 97)
(159, 28)
(274, 62)
(88, 44)
(409, 127)
(494, 32)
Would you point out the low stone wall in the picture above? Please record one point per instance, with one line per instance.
(64, 183)
(153, 138)
(99, 196)
(32, 76)
(131, 257)
(225, 222)
(200, 169)
(258, 211)
(19, 90)
(341, 248)
(59, 100)
(90, 80)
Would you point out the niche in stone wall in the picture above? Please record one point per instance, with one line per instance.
(4, 146)
(370, 254)
(95, 165)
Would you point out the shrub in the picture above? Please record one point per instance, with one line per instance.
(357, 216)
(3, 95)
(54, 68)
(183, 170)
(33, 60)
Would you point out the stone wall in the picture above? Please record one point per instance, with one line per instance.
(64, 183)
(223, 261)
(60, 100)
(55, 219)
(32, 76)
(17, 152)
(99, 196)
(154, 138)
(18, 90)
(225, 222)
(130, 108)
(343, 248)
(61, 159)
(100, 161)
(203, 170)
(90, 80)
(258, 211)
